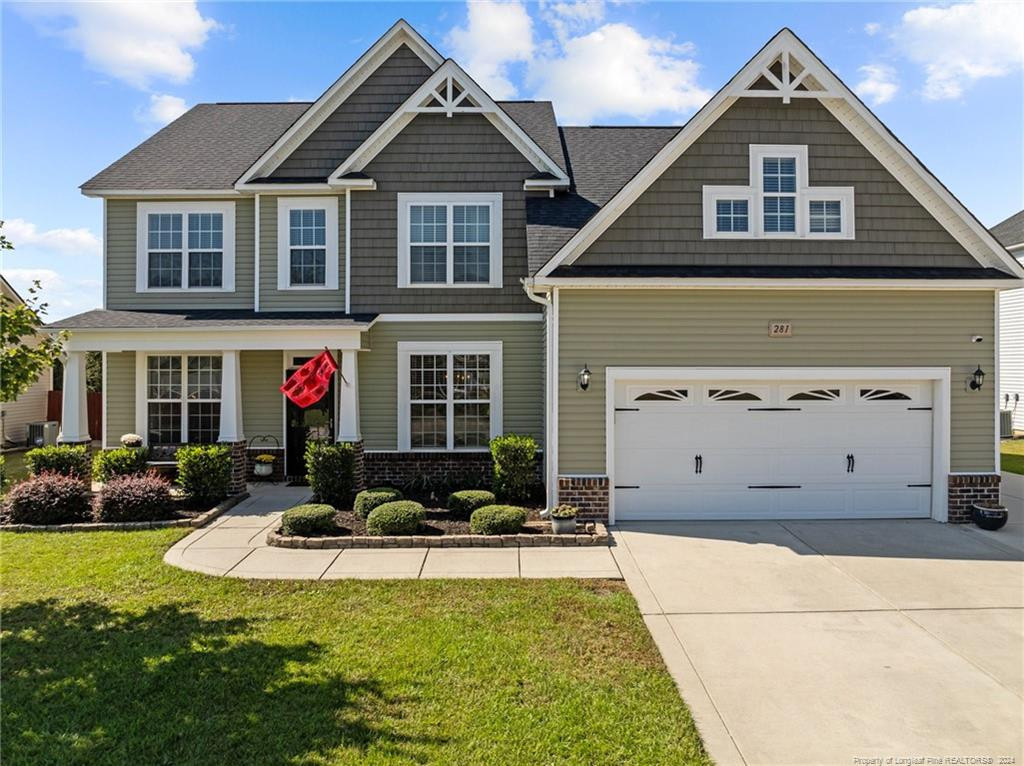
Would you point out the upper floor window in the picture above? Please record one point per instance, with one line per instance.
(185, 246)
(307, 243)
(449, 240)
(780, 201)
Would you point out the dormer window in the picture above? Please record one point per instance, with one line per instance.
(779, 203)
(185, 246)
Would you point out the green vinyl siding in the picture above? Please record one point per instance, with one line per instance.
(119, 396)
(522, 367)
(272, 299)
(120, 254)
(729, 328)
(262, 400)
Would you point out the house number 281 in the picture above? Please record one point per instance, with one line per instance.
(780, 329)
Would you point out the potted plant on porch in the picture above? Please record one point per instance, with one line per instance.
(989, 516)
(563, 520)
(264, 465)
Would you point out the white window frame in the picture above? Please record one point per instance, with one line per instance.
(406, 200)
(142, 212)
(144, 400)
(410, 348)
(330, 207)
(754, 193)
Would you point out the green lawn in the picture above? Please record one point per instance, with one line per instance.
(1012, 455)
(112, 657)
(14, 465)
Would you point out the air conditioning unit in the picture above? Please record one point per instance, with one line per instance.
(1005, 424)
(42, 433)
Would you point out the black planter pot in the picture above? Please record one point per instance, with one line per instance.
(990, 518)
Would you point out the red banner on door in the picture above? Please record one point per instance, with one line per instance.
(311, 381)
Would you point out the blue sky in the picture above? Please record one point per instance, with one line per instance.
(84, 83)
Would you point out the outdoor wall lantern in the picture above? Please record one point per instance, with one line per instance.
(583, 378)
(977, 379)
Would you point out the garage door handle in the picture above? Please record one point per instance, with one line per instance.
(698, 464)
(851, 463)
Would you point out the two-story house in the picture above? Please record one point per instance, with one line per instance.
(774, 310)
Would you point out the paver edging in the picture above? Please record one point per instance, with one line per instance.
(542, 539)
(126, 526)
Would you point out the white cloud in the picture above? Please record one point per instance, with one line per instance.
(872, 28)
(62, 296)
(162, 109)
(26, 235)
(616, 71)
(567, 17)
(496, 35)
(962, 43)
(134, 42)
(878, 83)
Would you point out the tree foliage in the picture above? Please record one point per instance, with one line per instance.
(26, 352)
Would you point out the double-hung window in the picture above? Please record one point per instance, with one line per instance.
(449, 240)
(450, 395)
(307, 243)
(183, 395)
(779, 202)
(185, 246)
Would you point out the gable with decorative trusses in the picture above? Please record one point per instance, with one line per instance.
(787, 116)
(450, 92)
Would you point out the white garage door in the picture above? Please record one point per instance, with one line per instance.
(747, 450)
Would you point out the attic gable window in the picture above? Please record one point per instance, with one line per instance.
(449, 240)
(185, 246)
(781, 202)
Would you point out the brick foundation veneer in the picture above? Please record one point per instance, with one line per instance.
(471, 469)
(278, 452)
(239, 466)
(967, 489)
(588, 493)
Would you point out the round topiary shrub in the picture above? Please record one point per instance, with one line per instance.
(310, 520)
(49, 498)
(497, 520)
(369, 499)
(464, 502)
(134, 497)
(66, 459)
(402, 517)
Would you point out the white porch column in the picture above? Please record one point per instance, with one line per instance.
(348, 420)
(74, 421)
(230, 398)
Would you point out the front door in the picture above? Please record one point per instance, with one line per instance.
(303, 425)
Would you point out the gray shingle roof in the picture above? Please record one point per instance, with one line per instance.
(1011, 231)
(601, 160)
(103, 319)
(208, 147)
(537, 119)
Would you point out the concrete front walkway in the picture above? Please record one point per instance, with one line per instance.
(825, 642)
(234, 545)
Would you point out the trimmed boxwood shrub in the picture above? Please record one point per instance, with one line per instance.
(464, 502)
(514, 475)
(123, 461)
(401, 517)
(134, 497)
(49, 498)
(308, 520)
(65, 459)
(497, 520)
(330, 471)
(204, 473)
(369, 499)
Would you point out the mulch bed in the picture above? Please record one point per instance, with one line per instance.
(437, 522)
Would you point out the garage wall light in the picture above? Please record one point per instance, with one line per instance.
(977, 379)
(583, 378)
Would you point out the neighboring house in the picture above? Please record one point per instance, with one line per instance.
(30, 407)
(773, 311)
(1011, 326)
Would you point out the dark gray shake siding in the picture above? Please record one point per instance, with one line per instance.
(434, 153)
(361, 114)
(665, 225)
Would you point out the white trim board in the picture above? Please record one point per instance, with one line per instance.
(400, 34)
(537, 317)
(848, 109)
(939, 377)
(443, 78)
(213, 339)
(776, 283)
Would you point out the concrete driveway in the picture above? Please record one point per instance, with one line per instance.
(828, 642)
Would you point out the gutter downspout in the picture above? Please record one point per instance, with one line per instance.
(256, 255)
(550, 364)
(348, 251)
